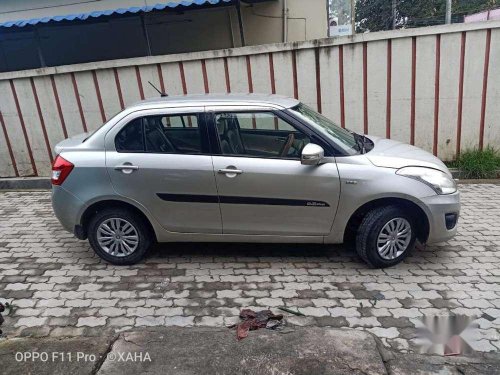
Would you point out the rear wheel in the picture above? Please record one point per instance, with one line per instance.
(118, 236)
(386, 236)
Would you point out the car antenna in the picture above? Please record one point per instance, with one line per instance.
(162, 94)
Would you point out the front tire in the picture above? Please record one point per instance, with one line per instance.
(386, 236)
(118, 236)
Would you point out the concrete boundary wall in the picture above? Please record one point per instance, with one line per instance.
(435, 87)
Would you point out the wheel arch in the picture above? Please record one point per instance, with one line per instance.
(100, 205)
(420, 216)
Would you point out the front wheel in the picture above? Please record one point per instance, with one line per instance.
(386, 236)
(118, 236)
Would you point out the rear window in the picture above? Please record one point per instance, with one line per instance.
(131, 137)
(174, 134)
(95, 130)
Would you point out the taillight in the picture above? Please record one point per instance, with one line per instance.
(60, 170)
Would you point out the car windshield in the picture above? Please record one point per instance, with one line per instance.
(343, 138)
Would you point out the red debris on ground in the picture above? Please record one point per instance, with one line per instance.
(254, 320)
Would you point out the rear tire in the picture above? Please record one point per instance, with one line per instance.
(386, 236)
(119, 236)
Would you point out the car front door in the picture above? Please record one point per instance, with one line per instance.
(263, 187)
(160, 159)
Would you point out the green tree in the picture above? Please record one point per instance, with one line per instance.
(376, 15)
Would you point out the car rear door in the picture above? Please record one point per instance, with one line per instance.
(263, 188)
(160, 159)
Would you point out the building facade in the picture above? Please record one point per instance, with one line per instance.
(39, 33)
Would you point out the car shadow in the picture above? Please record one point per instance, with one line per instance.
(253, 250)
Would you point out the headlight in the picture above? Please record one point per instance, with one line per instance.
(439, 181)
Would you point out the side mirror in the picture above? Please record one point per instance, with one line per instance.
(312, 154)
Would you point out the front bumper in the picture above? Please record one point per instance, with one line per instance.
(437, 207)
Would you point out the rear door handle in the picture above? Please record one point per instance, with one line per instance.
(126, 168)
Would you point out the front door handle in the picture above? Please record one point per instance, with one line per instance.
(126, 168)
(229, 170)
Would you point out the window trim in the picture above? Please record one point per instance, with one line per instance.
(202, 126)
(216, 149)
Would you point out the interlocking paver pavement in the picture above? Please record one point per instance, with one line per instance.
(59, 287)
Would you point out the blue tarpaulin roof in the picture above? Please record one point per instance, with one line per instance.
(110, 12)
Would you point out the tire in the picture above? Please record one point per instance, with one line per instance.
(119, 254)
(367, 237)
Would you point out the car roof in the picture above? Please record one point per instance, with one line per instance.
(219, 99)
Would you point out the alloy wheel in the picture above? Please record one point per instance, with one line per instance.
(394, 238)
(117, 237)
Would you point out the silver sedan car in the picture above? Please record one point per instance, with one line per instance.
(247, 168)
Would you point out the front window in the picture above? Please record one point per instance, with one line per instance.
(343, 139)
(259, 134)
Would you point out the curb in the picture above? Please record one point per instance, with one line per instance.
(25, 183)
(480, 181)
(454, 173)
(457, 174)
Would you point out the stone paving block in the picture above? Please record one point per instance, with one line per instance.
(229, 293)
(121, 321)
(57, 311)
(339, 294)
(169, 311)
(344, 312)
(104, 302)
(283, 293)
(149, 321)
(314, 311)
(29, 312)
(140, 311)
(112, 311)
(324, 302)
(17, 286)
(428, 294)
(78, 303)
(210, 321)
(363, 322)
(30, 322)
(271, 302)
(56, 281)
(91, 321)
(179, 321)
(389, 333)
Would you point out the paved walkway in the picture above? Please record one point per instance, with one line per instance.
(58, 287)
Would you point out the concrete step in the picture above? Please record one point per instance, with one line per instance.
(193, 351)
(25, 183)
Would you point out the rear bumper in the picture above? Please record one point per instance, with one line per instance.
(438, 207)
(66, 207)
